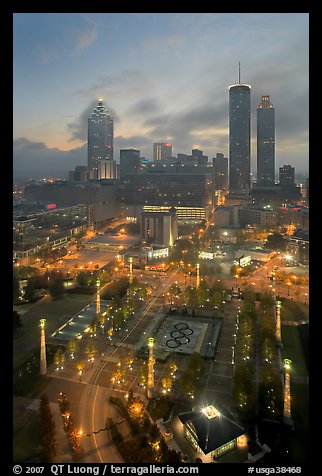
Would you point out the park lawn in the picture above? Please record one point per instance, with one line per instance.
(292, 349)
(27, 443)
(294, 311)
(27, 339)
(300, 416)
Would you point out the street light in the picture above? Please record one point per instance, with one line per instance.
(288, 288)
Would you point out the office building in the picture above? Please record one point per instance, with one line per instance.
(130, 162)
(79, 174)
(298, 247)
(100, 138)
(287, 176)
(198, 157)
(107, 169)
(220, 172)
(34, 231)
(239, 138)
(261, 217)
(161, 150)
(159, 228)
(101, 197)
(265, 143)
(189, 193)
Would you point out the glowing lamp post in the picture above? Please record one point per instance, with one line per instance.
(150, 386)
(43, 361)
(287, 416)
(98, 297)
(278, 305)
(198, 276)
(131, 268)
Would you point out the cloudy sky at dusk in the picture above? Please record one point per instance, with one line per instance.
(163, 76)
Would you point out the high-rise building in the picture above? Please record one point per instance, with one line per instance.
(161, 150)
(239, 138)
(220, 172)
(79, 174)
(197, 155)
(286, 176)
(100, 138)
(130, 162)
(107, 169)
(265, 143)
(160, 228)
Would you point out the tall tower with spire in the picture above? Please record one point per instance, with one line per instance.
(100, 141)
(43, 360)
(239, 137)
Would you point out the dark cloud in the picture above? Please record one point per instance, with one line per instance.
(35, 159)
(144, 107)
(134, 142)
(78, 128)
(127, 82)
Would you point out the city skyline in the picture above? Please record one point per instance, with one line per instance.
(164, 78)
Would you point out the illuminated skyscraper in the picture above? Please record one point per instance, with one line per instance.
(265, 143)
(239, 137)
(100, 138)
(161, 151)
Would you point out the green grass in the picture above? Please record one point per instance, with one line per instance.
(294, 311)
(27, 339)
(27, 443)
(292, 349)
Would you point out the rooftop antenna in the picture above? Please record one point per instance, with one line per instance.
(239, 72)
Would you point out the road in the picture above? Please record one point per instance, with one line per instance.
(94, 405)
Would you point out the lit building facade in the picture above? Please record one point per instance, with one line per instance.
(265, 143)
(159, 228)
(161, 150)
(107, 169)
(190, 194)
(209, 432)
(239, 138)
(100, 138)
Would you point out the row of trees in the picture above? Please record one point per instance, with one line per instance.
(73, 435)
(243, 386)
(189, 381)
(120, 308)
(47, 430)
(270, 392)
(146, 444)
(270, 389)
(205, 296)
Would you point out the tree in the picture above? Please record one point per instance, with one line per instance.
(47, 429)
(57, 289)
(275, 241)
(216, 300)
(59, 357)
(267, 301)
(243, 389)
(16, 321)
(82, 278)
(249, 295)
(16, 288)
(30, 292)
(202, 295)
(270, 395)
